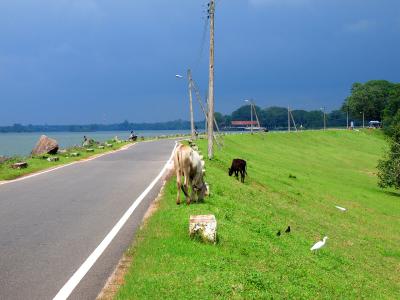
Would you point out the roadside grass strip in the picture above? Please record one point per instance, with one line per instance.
(44, 162)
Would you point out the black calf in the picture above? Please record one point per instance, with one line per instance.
(238, 165)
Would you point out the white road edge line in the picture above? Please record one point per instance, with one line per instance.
(71, 284)
(66, 165)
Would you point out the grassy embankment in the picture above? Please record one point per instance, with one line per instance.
(362, 256)
(40, 163)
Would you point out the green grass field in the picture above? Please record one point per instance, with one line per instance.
(362, 255)
(36, 164)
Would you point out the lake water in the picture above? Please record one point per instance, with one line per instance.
(23, 143)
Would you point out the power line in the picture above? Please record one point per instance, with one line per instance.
(202, 45)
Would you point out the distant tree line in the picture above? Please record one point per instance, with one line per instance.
(378, 99)
(124, 126)
(276, 118)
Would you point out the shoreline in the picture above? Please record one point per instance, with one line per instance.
(8, 175)
(21, 143)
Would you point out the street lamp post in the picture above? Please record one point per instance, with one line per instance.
(363, 115)
(189, 74)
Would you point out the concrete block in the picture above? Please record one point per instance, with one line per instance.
(20, 165)
(203, 226)
(53, 158)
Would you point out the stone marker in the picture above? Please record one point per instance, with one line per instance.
(45, 145)
(204, 226)
(53, 158)
(75, 154)
(101, 147)
(89, 150)
(20, 165)
(109, 145)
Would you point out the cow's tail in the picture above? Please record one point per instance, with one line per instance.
(245, 168)
(179, 160)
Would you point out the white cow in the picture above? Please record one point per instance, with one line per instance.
(189, 165)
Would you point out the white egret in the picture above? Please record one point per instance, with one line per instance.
(319, 245)
(341, 208)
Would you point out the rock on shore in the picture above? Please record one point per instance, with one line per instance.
(45, 145)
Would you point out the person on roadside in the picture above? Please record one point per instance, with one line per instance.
(132, 137)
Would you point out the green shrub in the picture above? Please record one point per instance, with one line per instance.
(389, 167)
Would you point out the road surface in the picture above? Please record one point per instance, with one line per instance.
(51, 223)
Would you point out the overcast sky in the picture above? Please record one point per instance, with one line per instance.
(84, 61)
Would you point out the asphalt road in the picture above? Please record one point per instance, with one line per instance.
(51, 223)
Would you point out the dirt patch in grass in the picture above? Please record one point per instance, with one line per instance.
(116, 279)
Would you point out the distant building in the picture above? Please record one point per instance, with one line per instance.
(244, 123)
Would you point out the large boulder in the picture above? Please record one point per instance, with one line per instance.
(45, 145)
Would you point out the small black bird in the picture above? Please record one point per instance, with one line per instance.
(278, 233)
(287, 229)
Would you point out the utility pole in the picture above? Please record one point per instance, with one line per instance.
(251, 113)
(210, 122)
(191, 105)
(251, 116)
(197, 93)
(288, 118)
(255, 113)
(206, 115)
(294, 123)
(347, 120)
(324, 114)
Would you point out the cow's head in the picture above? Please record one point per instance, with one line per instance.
(202, 191)
(230, 171)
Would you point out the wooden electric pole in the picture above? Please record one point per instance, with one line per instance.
(288, 118)
(323, 111)
(191, 105)
(251, 116)
(210, 125)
